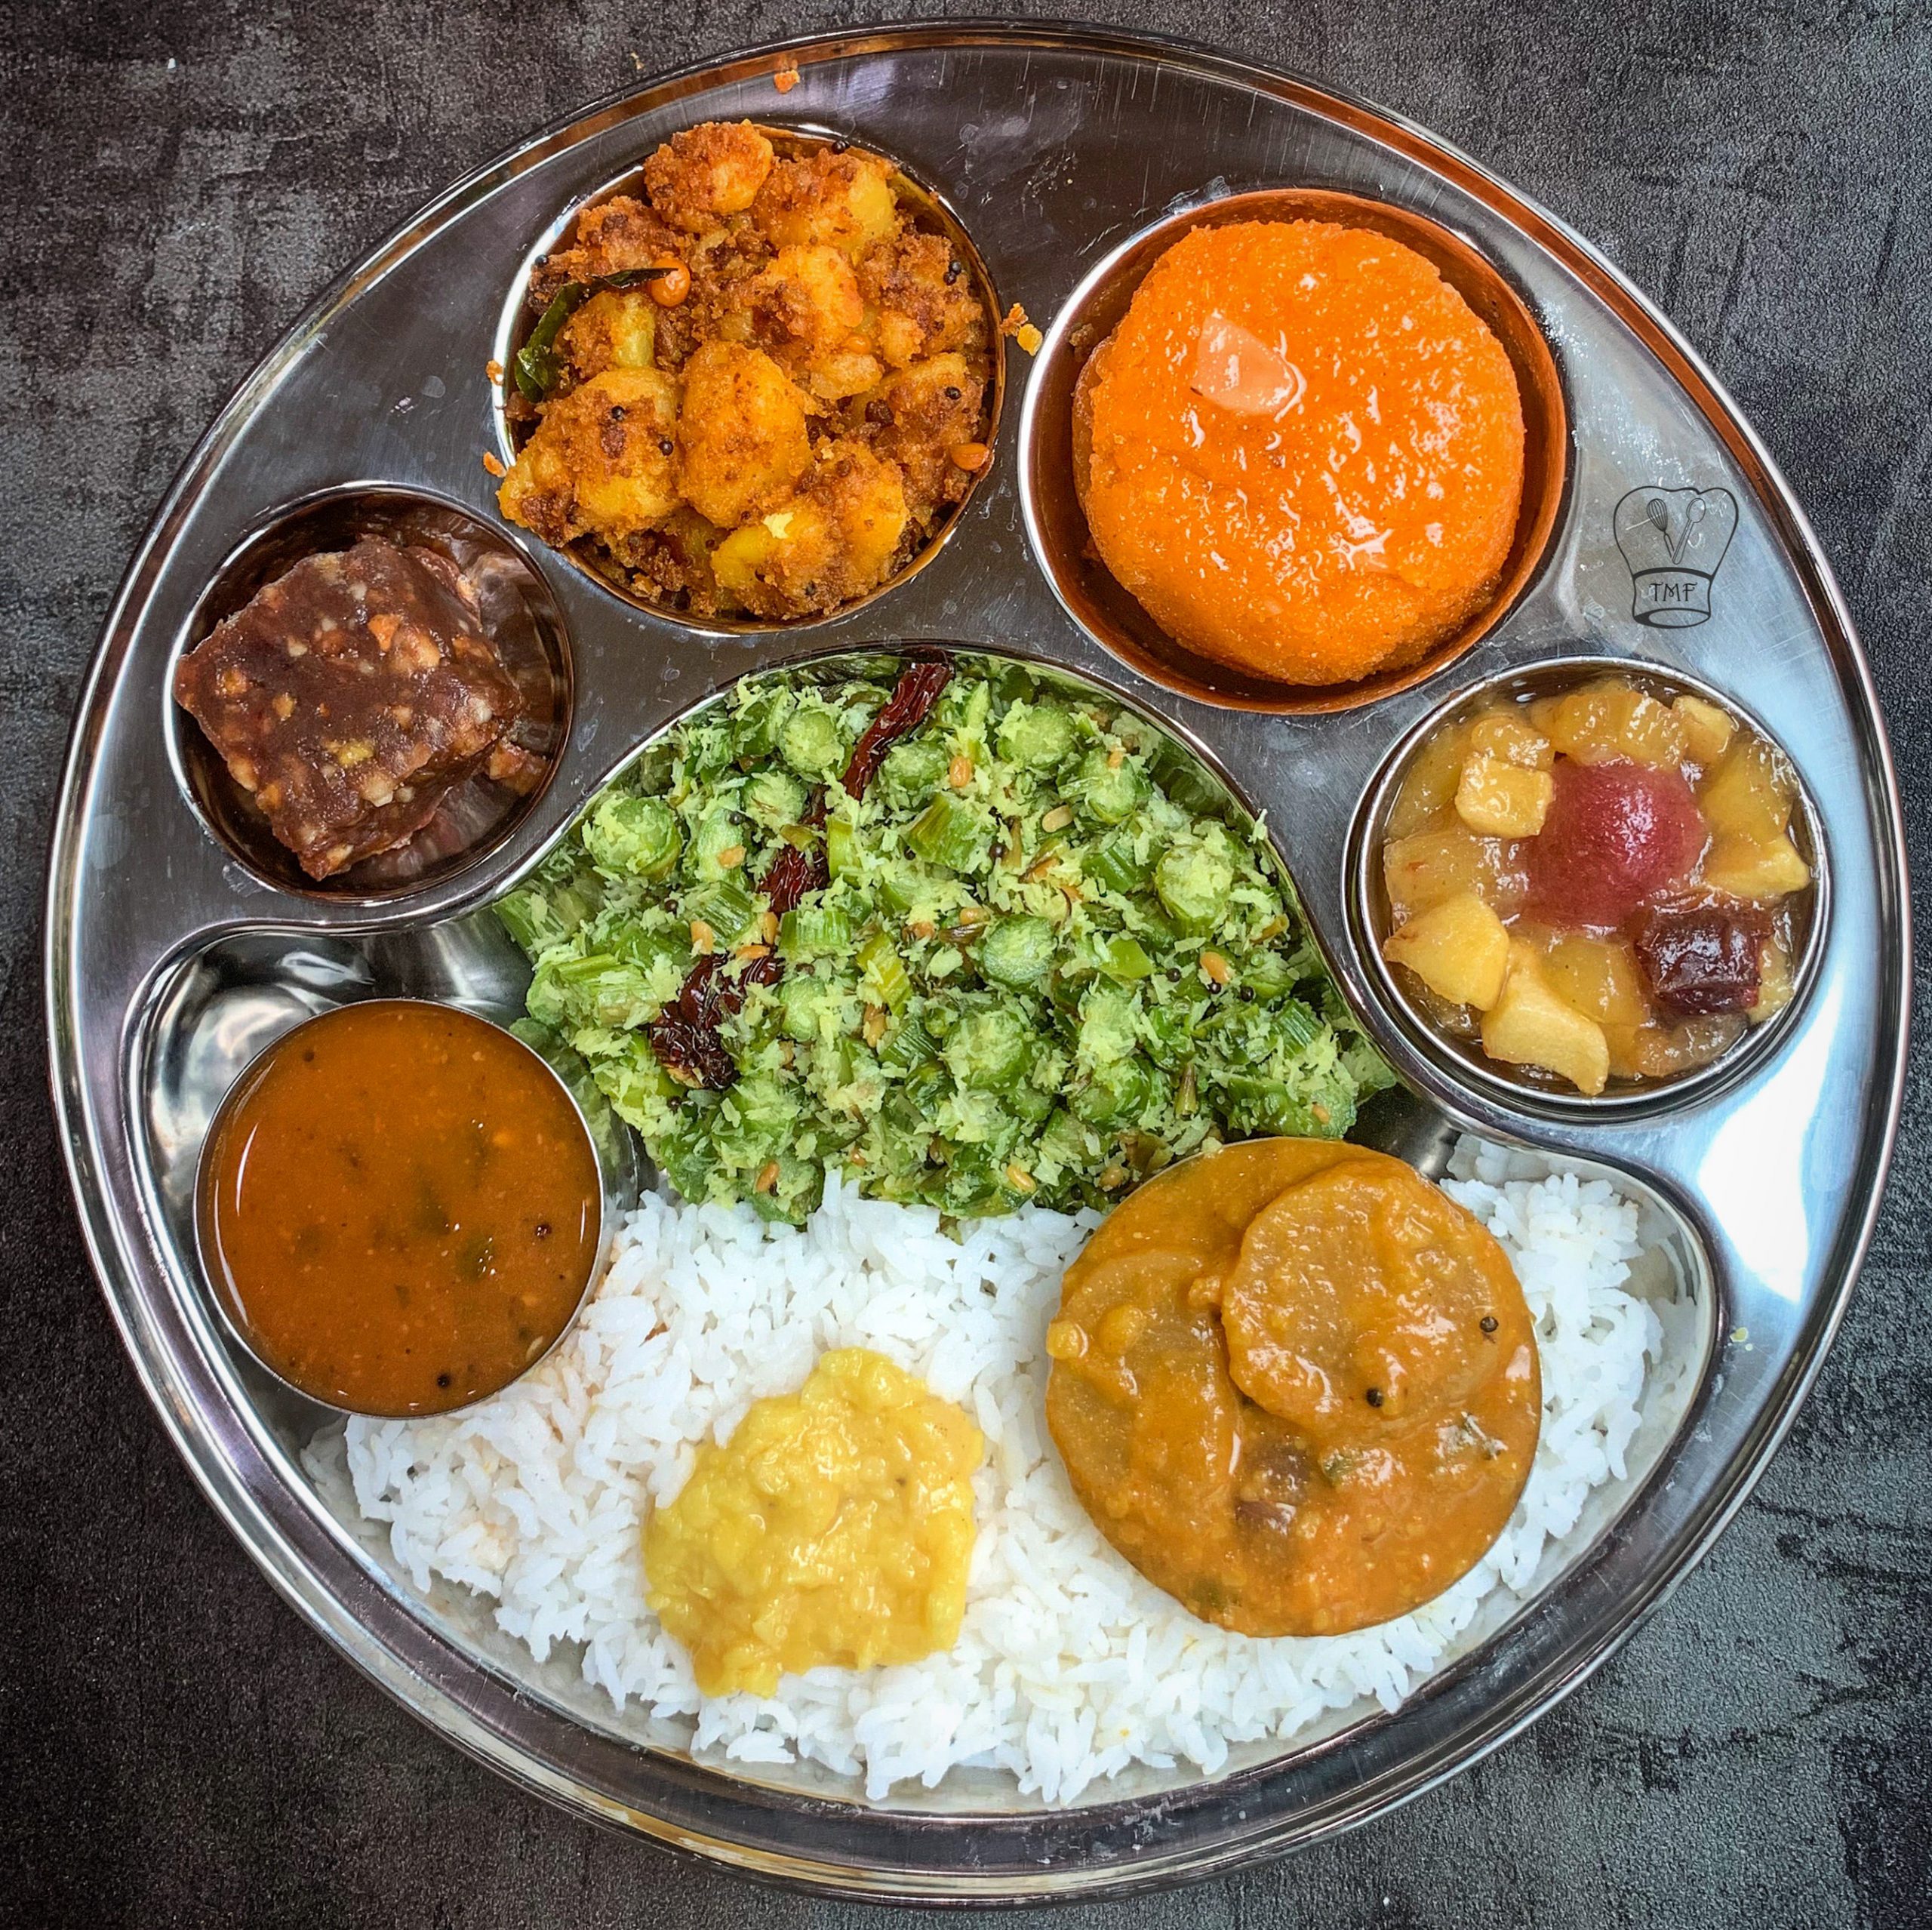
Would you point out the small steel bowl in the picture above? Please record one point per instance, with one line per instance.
(519, 615)
(1053, 449)
(933, 213)
(1532, 1090)
(617, 1191)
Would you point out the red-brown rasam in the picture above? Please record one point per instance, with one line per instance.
(399, 1208)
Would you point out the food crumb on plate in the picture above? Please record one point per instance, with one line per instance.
(1020, 330)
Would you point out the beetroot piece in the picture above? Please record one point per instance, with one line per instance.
(1616, 835)
(1699, 960)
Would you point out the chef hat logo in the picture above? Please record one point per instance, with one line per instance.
(1674, 539)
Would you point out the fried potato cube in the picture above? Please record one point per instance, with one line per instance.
(1422, 870)
(790, 540)
(1458, 949)
(1600, 977)
(1610, 719)
(810, 295)
(899, 338)
(842, 200)
(1707, 730)
(699, 177)
(1755, 868)
(599, 463)
(617, 328)
(925, 302)
(1510, 735)
(741, 436)
(926, 391)
(1748, 795)
(806, 311)
(1502, 800)
(1530, 1025)
(850, 371)
(836, 539)
(935, 405)
(868, 499)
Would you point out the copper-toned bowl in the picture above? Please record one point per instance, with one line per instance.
(1055, 427)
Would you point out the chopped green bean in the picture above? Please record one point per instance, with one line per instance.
(1018, 951)
(998, 971)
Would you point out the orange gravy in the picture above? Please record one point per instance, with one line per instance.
(1296, 1385)
(399, 1207)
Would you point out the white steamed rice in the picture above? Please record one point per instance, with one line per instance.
(1069, 1667)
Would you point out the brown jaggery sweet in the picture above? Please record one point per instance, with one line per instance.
(1306, 451)
(350, 696)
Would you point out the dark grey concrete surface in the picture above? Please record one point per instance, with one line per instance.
(179, 180)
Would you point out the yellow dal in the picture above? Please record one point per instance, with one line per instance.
(834, 1527)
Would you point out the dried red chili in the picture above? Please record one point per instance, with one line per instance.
(685, 1034)
(911, 703)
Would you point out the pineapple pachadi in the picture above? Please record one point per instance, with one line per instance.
(1052, 956)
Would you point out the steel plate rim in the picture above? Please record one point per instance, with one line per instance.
(110, 1244)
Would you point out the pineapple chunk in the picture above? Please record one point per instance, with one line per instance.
(1663, 1051)
(1502, 800)
(1457, 949)
(1530, 1025)
(1749, 793)
(1610, 719)
(1755, 868)
(1423, 869)
(1428, 786)
(1775, 981)
(1510, 735)
(1707, 730)
(1598, 976)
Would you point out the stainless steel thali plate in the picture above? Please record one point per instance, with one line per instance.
(170, 960)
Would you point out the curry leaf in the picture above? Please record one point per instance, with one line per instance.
(537, 372)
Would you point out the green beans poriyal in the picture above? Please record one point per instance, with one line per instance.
(1052, 955)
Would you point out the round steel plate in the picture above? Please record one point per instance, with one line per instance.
(168, 961)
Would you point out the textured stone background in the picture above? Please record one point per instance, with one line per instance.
(178, 1750)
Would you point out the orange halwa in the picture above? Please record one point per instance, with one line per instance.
(1306, 451)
